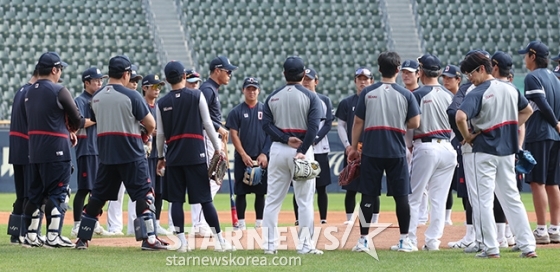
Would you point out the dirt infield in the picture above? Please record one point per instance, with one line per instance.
(383, 240)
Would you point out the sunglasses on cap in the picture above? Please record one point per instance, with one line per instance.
(363, 71)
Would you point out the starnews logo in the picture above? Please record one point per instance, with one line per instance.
(254, 240)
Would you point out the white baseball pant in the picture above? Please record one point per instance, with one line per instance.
(423, 214)
(432, 171)
(114, 213)
(280, 175)
(495, 174)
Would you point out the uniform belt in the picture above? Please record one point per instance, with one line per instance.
(432, 140)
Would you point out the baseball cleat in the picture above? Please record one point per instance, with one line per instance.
(271, 252)
(484, 254)
(323, 221)
(427, 248)
(530, 254)
(30, 242)
(554, 237)
(184, 248)
(405, 245)
(14, 240)
(99, 230)
(362, 245)
(162, 241)
(459, 244)
(515, 248)
(473, 248)
(310, 251)
(81, 244)
(541, 239)
(58, 241)
(510, 240)
(157, 245)
(223, 247)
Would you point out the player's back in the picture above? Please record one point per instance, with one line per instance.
(433, 102)
(542, 82)
(19, 140)
(290, 106)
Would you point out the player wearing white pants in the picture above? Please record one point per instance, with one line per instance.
(199, 225)
(115, 217)
(280, 169)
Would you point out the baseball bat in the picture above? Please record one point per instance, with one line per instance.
(234, 219)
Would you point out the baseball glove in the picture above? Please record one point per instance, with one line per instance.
(144, 134)
(253, 175)
(306, 169)
(349, 173)
(525, 162)
(218, 167)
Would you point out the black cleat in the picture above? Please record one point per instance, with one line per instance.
(155, 246)
(81, 244)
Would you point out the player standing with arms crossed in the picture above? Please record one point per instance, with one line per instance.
(384, 112)
(181, 115)
(494, 109)
(220, 74)
(252, 144)
(86, 149)
(345, 114)
(19, 158)
(321, 146)
(51, 114)
(291, 118)
(542, 139)
(118, 112)
(433, 157)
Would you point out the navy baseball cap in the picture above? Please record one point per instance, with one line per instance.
(536, 47)
(484, 52)
(92, 73)
(134, 73)
(251, 81)
(502, 59)
(452, 71)
(557, 71)
(294, 66)
(50, 59)
(429, 62)
(410, 65)
(363, 71)
(120, 64)
(311, 73)
(222, 62)
(511, 72)
(193, 76)
(152, 79)
(174, 69)
(557, 58)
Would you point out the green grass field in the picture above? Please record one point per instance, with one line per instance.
(16, 258)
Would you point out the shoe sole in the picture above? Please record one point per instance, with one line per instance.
(153, 249)
(360, 250)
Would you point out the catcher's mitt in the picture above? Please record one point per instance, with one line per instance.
(218, 167)
(253, 175)
(525, 162)
(144, 134)
(349, 173)
(306, 169)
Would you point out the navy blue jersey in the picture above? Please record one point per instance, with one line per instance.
(118, 112)
(433, 102)
(19, 140)
(542, 84)
(321, 143)
(452, 109)
(153, 154)
(181, 123)
(210, 90)
(345, 112)
(385, 109)
(492, 109)
(49, 106)
(292, 111)
(87, 137)
(247, 121)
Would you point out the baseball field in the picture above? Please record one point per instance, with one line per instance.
(124, 254)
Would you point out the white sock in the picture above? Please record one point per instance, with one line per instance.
(508, 231)
(182, 238)
(348, 216)
(447, 215)
(76, 223)
(541, 229)
(241, 222)
(157, 223)
(470, 235)
(553, 229)
(375, 218)
(501, 231)
(220, 238)
(404, 236)
(258, 223)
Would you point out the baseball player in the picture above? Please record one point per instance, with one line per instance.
(193, 79)
(433, 157)
(494, 109)
(86, 149)
(291, 118)
(451, 77)
(118, 112)
(19, 158)
(321, 146)
(51, 114)
(114, 209)
(345, 114)
(542, 139)
(411, 77)
(151, 87)
(251, 144)
(181, 116)
(220, 74)
(384, 112)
